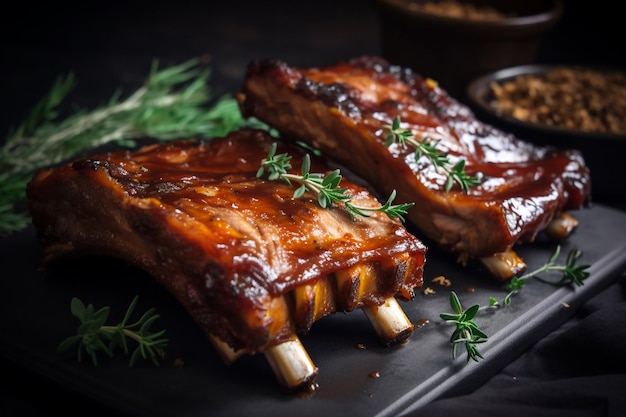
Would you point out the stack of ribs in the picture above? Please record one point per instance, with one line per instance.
(345, 109)
(252, 265)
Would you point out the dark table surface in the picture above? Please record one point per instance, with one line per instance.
(579, 369)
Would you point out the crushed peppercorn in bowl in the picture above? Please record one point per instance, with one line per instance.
(575, 107)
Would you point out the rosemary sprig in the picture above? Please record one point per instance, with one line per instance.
(173, 103)
(467, 331)
(427, 147)
(94, 336)
(571, 274)
(325, 187)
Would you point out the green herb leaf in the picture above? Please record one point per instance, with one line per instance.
(94, 336)
(467, 332)
(427, 147)
(325, 187)
(571, 273)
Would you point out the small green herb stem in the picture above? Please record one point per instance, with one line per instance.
(544, 268)
(130, 333)
(311, 185)
(427, 147)
(327, 188)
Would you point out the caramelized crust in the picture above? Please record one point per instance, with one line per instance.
(342, 110)
(251, 264)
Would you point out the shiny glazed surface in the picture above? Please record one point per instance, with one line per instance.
(351, 103)
(231, 247)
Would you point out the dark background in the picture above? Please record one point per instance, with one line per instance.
(578, 370)
(111, 44)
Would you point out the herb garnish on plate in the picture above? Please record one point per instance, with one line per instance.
(94, 335)
(174, 103)
(467, 331)
(325, 187)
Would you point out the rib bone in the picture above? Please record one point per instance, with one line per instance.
(504, 265)
(561, 227)
(389, 321)
(313, 302)
(291, 364)
(347, 290)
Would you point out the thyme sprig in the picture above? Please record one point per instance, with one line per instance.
(325, 187)
(571, 273)
(427, 147)
(94, 336)
(467, 332)
(173, 103)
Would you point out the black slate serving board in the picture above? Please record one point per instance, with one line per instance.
(35, 317)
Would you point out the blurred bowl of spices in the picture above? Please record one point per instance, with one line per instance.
(455, 41)
(567, 106)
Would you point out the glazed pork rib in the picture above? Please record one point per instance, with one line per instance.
(253, 266)
(345, 110)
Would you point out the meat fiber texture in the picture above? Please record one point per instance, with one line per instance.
(235, 250)
(343, 110)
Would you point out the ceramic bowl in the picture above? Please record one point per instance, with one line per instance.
(603, 151)
(455, 50)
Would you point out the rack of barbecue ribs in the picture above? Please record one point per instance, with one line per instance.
(254, 266)
(347, 110)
